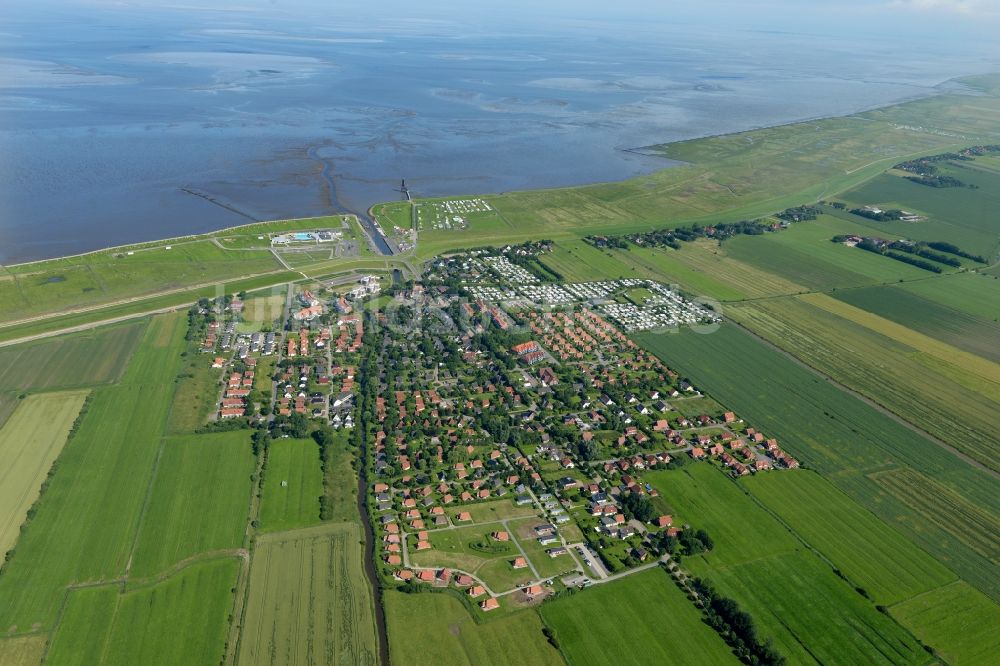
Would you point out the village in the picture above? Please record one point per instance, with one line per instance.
(508, 453)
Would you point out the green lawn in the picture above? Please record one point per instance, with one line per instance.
(870, 553)
(641, 619)
(293, 484)
(434, 628)
(199, 500)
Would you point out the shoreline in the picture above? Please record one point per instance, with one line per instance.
(653, 150)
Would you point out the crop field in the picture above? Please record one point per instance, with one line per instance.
(22, 651)
(941, 618)
(756, 560)
(707, 257)
(81, 359)
(102, 625)
(966, 522)
(436, 628)
(198, 502)
(86, 523)
(50, 286)
(340, 485)
(804, 254)
(974, 294)
(8, 403)
(29, 443)
(949, 393)
(958, 215)
(293, 484)
(702, 495)
(960, 329)
(654, 623)
(197, 395)
(669, 266)
(309, 600)
(814, 616)
(836, 434)
(870, 553)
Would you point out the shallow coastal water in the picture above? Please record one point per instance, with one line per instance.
(118, 126)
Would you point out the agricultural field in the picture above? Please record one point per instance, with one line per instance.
(941, 618)
(197, 395)
(71, 361)
(198, 502)
(641, 619)
(30, 442)
(436, 628)
(949, 393)
(105, 625)
(706, 498)
(309, 600)
(976, 335)
(837, 435)
(814, 616)
(340, 486)
(293, 484)
(804, 254)
(958, 215)
(86, 522)
(870, 554)
(22, 651)
(971, 293)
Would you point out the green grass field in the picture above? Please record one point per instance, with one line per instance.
(309, 600)
(838, 435)
(197, 395)
(22, 651)
(804, 254)
(86, 523)
(82, 359)
(957, 215)
(103, 277)
(813, 616)
(198, 502)
(340, 485)
(435, 629)
(870, 553)
(976, 335)
(706, 498)
(641, 619)
(949, 393)
(974, 294)
(499, 509)
(296, 464)
(103, 625)
(957, 620)
(29, 443)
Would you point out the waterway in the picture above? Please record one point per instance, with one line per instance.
(128, 123)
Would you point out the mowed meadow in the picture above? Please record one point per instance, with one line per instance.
(136, 531)
(894, 515)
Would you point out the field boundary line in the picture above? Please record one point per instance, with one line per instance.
(868, 401)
